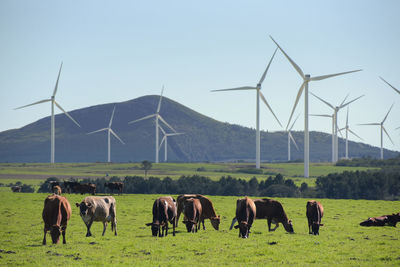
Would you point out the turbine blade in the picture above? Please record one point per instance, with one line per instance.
(66, 113)
(297, 101)
(323, 101)
(387, 113)
(144, 118)
(111, 119)
(348, 103)
(298, 69)
(162, 130)
(58, 78)
(337, 127)
(169, 126)
(270, 109)
(321, 115)
(398, 91)
(294, 142)
(344, 99)
(347, 117)
(266, 70)
(172, 134)
(104, 129)
(39, 102)
(353, 133)
(159, 102)
(387, 134)
(294, 122)
(237, 88)
(318, 78)
(375, 123)
(116, 136)
(162, 141)
(397, 128)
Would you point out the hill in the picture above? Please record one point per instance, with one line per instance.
(205, 139)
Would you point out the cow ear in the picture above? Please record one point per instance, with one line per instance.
(236, 226)
(77, 204)
(89, 205)
(148, 224)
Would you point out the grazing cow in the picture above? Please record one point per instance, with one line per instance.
(16, 188)
(115, 186)
(273, 211)
(192, 211)
(57, 190)
(98, 209)
(389, 220)
(208, 211)
(56, 213)
(52, 184)
(69, 186)
(164, 211)
(85, 188)
(315, 211)
(245, 214)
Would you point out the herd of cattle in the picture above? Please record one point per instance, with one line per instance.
(166, 210)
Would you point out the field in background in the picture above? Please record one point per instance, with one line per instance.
(341, 241)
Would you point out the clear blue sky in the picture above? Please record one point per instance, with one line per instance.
(119, 50)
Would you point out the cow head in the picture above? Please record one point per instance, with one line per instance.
(155, 228)
(243, 229)
(215, 221)
(289, 227)
(55, 232)
(84, 208)
(190, 226)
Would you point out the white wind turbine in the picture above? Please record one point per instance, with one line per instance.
(304, 86)
(333, 131)
(109, 131)
(52, 99)
(290, 136)
(157, 117)
(335, 124)
(258, 95)
(347, 128)
(397, 90)
(382, 129)
(165, 139)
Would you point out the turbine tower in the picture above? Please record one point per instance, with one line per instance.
(258, 95)
(165, 141)
(304, 86)
(290, 136)
(335, 124)
(347, 128)
(397, 90)
(157, 117)
(333, 131)
(109, 131)
(382, 129)
(53, 101)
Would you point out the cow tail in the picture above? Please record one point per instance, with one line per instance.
(112, 216)
(318, 213)
(59, 217)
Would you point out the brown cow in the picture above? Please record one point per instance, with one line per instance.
(208, 211)
(69, 186)
(56, 213)
(57, 190)
(273, 211)
(193, 214)
(85, 188)
(115, 186)
(245, 214)
(16, 188)
(315, 211)
(164, 211)
(389, 220)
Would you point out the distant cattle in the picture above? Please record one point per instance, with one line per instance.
(245, 214)
(389, 220)
(208, 211)
(273, 211)
(193, 214)
(57, 190)
(119, 186)
(98, 209)
(85, 188)
(16, 188)
(314, 213)
(52, 184)
(56, 213)
(164, 211)
(69, 186)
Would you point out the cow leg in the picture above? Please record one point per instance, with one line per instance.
(204, 228)
(276, 226)
(104, 227)
(269, 224)
(166, 228)
(234, 220)
(309, 226)
(173, 226)
(114, 225)
(63, 229)
(88, 233)
(44, 237)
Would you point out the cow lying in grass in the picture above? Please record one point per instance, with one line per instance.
(385, 220)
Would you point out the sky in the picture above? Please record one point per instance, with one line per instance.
(114, 51)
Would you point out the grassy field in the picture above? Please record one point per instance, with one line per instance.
(341, 241)
(34, 173)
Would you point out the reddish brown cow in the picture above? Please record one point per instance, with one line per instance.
(164, 211)
(273, 211)
(389, 220)
(208, 211)
(245, 214)
(56, 213)
(57, 190)
(85, 188)
(193, 214)
(315, 211)
(119, 186)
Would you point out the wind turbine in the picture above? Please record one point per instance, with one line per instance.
(347, 128)
(333, 131)
(109, 131)
(397, 90)
(290, 136)
(165, 139)
(258, 95)
(382, 129)
(157, 117)
(335, 125)
(304, 86)
(52, 99)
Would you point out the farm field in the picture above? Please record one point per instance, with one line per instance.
(341, 241)
(34, 173)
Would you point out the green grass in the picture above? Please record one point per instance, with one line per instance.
(341, 241)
